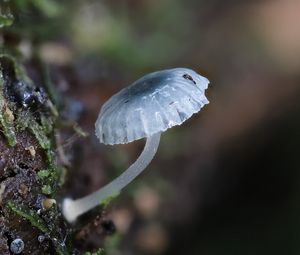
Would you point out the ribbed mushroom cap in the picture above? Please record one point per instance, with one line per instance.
(152, 104)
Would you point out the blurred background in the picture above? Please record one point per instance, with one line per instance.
(228, 180)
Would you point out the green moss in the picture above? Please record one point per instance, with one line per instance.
(29, 215)
(50, 180)
(40, 134)
(42, 174)
(47, 124)
(39, 223)
(42, 129)
(26, 120)
(14, 119)
(47, 190)
(5, 122)
(8, 129)
(50, 177)
(53, 177)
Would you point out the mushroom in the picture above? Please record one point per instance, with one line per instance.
(17, 246)
(145, 109)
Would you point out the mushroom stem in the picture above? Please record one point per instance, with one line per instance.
(71, 209)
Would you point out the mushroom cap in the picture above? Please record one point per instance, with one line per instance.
(152, 104)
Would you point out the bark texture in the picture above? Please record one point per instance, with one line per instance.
(30, 173)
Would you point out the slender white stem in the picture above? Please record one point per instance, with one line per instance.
(71, 209)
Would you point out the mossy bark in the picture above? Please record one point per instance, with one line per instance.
(30, 174)
(30, 171)
(32, 158)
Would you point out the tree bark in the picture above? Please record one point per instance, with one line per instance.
(30, 174)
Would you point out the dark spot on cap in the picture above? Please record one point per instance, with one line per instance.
(188, 77)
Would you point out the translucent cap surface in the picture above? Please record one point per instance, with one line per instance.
(152, 104)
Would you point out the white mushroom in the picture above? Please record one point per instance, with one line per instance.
(145, 109)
